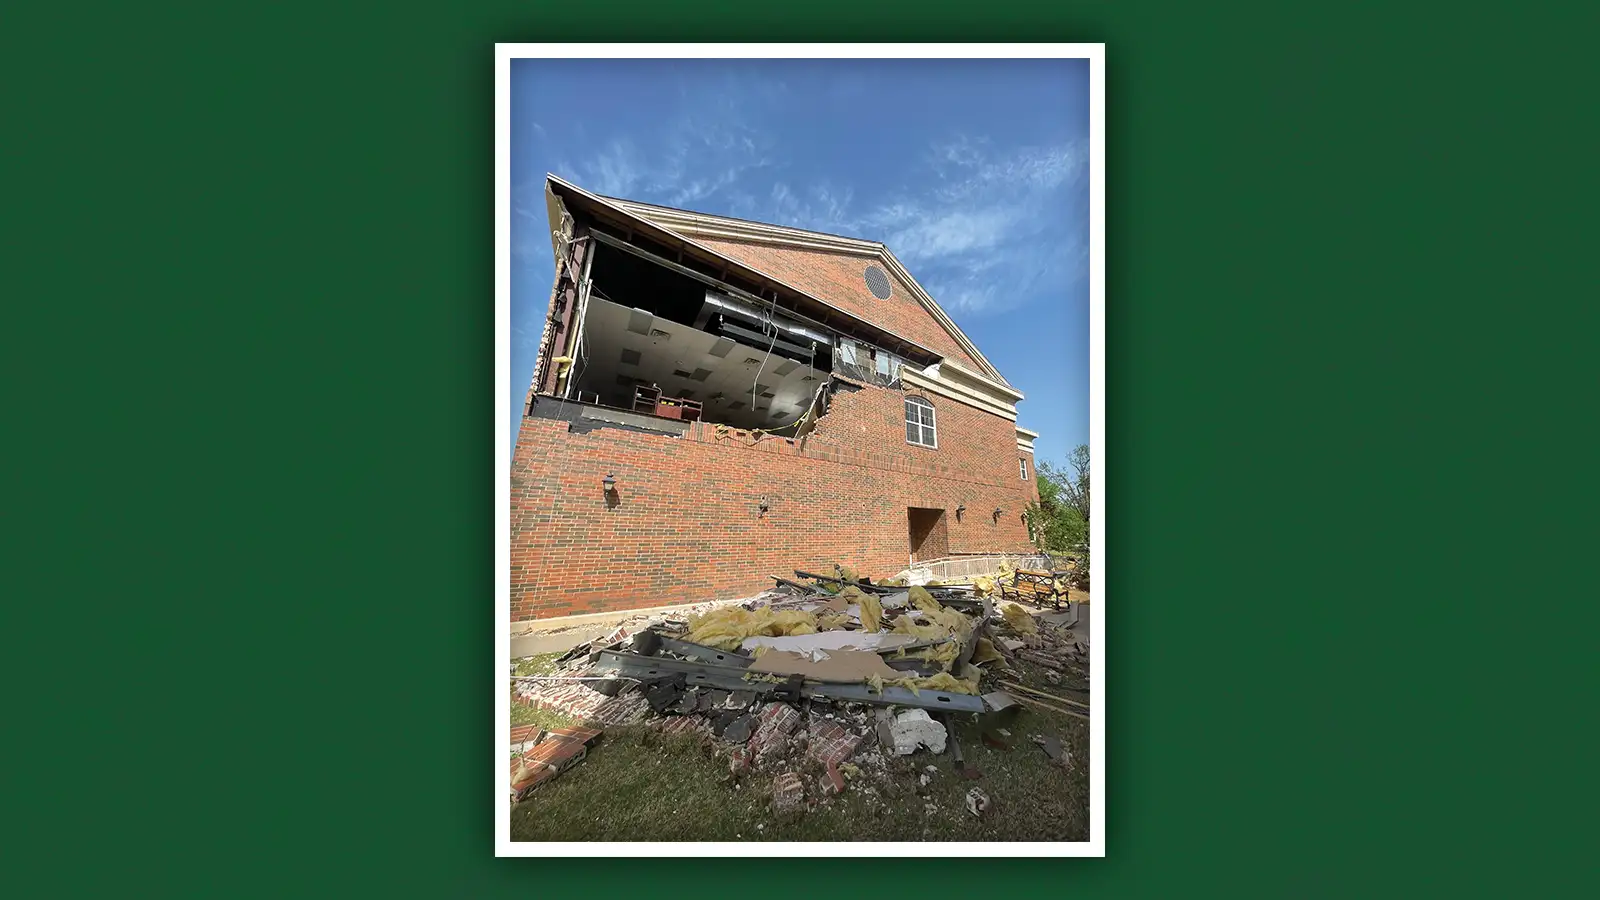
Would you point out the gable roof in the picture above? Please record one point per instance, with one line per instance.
(829, 266)
(942, 373)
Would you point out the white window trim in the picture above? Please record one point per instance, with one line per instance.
(1022, 464)
(935, 426)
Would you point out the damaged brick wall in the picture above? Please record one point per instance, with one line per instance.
(685, 522)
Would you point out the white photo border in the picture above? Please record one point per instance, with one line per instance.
(504, 53)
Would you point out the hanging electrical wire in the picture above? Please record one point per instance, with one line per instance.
(772, 322)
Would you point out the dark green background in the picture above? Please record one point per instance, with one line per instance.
(249, 274)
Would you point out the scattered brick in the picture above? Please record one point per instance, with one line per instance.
(834, 780)
(775, 722)
(832, 744)
(559, 751)
(682, 725)
(788, 794)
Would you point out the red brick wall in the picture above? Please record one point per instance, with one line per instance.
(686, 524)
(838, 279)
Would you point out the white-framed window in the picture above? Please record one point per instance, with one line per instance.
(1023, 465)
(919, 423)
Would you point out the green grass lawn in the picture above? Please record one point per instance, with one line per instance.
(639, 785)
(527, 715)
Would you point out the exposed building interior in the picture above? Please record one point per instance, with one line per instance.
(646, 322)
(657, 341)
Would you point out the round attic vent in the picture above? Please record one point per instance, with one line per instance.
(877, 282)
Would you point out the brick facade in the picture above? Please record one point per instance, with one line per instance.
(838, 279)
(685, 524)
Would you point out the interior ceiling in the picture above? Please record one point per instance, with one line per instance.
(624, 343)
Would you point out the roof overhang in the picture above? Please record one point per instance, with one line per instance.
(1025, 439)
(940, 379)
(564, 197)
(692, 223)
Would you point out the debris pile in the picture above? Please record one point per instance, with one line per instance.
(819, 680)
(538, 756)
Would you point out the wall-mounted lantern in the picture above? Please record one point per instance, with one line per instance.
(959, 510)
(997, 513)
(609, 483)
(764, 505)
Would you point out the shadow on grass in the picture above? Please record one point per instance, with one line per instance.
(640, 785)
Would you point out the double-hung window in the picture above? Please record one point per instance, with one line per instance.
(919, 423)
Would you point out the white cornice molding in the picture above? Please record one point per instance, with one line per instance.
(703, 225)
(935, 382)
(1025, 439)
(981, 382)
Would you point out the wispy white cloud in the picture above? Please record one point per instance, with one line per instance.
(967, 217)
(694, 161)
(988, 212)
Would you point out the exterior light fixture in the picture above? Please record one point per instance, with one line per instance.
(997, 512)
(609, 483)
(959, 510)
(764, 505)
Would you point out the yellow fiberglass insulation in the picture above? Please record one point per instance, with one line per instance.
(831, 621)
(787, 621)
(852, 593)
(983, 584)
(1019, 620)
(953, 622)
(726, 628)
(984, 652)
(944, 654)
(904, 625)
(871, 612)
(943, 681)
(921, 599)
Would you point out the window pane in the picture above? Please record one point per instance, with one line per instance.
(911, 432)
(927, 416)
(911, 411)
(927, 436)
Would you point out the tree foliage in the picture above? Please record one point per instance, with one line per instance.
(1060, 520)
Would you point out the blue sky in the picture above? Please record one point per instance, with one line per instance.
(973, 172)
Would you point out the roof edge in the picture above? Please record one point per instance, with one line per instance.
(617, 206)
(933, 379)
(724, 226)
(693, 223)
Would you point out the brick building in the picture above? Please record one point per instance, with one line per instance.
(717, 401)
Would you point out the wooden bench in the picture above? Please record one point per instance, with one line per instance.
(1038, 588)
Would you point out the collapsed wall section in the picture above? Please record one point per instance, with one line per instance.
(685, 523)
